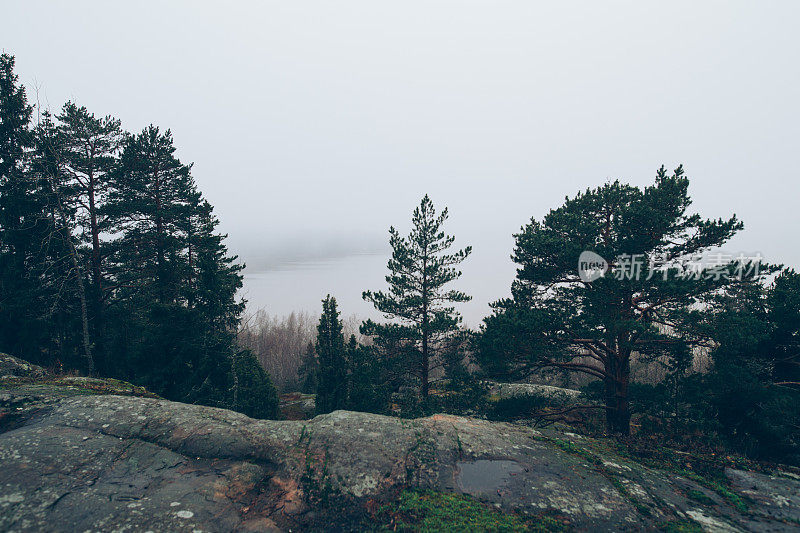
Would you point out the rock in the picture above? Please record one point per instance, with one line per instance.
(11, 367)
(297, 405)
(109, 462)
(777, 497)
(512, 390)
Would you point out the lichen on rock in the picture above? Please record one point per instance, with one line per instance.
(98, 461)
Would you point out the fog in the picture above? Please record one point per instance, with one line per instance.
(314, 126)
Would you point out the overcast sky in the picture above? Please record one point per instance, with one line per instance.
(314, 126)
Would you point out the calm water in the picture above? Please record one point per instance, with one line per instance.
(300, 286)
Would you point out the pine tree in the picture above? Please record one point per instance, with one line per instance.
(16, 189)
(175, 280)
(556, 319)
(24, 228)
(209, 290)
(332, 388)
(88, 151)
(784, 312)
(213, 275)
(252, 393)
(152, 198)
(418, 301)
(64, 274)
(309, 370)
(367, 389)
(116, 251)
(753, 387)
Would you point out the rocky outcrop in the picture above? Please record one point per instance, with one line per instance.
(11, 367)
(75, 460)
(513, 390)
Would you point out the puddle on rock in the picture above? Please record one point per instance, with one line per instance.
(485, 475)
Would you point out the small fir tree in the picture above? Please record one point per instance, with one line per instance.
(332, 387)
(309, 370)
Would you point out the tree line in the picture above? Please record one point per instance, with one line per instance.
(110, 260)
(664, 292)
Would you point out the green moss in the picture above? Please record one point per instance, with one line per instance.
(681, 526)
(704, 470)
(573, 449)
(432, 511)
(699, 496)
(459, 446)
(739, 503)
(422, 453)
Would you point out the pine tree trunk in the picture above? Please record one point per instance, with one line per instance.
(76, 266)
(87, 345)
(97, 277)
(618, 416)
(235, 374)
(160, 260)
(425, 349)
(425, 365)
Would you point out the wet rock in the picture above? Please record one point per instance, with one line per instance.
(486, 475)
(110, 462)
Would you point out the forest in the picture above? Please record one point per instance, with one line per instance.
(111, 264)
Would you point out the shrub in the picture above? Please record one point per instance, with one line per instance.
(253, 392)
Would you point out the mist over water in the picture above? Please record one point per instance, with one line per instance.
(299, 284)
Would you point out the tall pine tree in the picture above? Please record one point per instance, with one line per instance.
(88, 150)
(418, 300)
(25, 319)
(64, 275)
(175, 281)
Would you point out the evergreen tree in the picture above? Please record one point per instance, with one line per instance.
(88, 148)
(18, 297)
(36, 284)
(16, 188)
(252, 391)
(367, 389)
(783, 304)
(332, 388)
(309, 370)
(152, 199)
(214, 277)
(175, 280)
(42, 290)
(425, 321)
(106, 242)
(753, 403)
(557, 319)
(63, 277)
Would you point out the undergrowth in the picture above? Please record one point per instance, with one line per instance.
(438, 512)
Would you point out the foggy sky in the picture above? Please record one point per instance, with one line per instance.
(314, 126)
